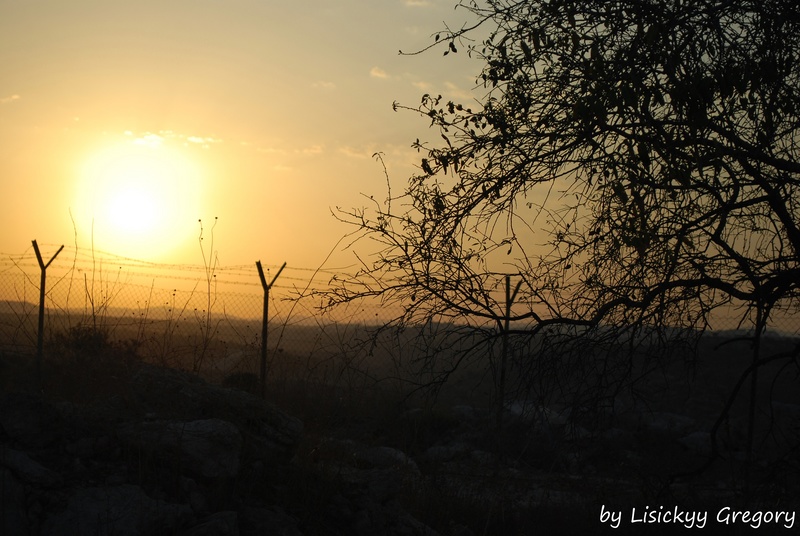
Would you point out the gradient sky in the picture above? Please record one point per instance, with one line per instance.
(136, 119)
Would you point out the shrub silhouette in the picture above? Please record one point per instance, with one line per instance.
(85, 362)
(243, 381)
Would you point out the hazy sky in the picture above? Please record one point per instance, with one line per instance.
(139, 118)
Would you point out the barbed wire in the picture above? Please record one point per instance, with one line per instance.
(83, 261)
(143, 301)
(172, 311)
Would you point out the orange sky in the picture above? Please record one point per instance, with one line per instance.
(139, 118)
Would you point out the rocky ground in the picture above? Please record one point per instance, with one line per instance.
(136, 449)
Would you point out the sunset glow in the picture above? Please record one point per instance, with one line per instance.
(142, 197)
(125, 123)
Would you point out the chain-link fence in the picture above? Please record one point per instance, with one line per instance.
(327, 367)
(203, 318)
(207, 318)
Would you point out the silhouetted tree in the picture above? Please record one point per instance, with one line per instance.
(635, 162)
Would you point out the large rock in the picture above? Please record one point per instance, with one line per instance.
(272, 520)
(12, 505)
(268, 433)
(380, 472)
(667, 423)
(26, 469)
(699, 442)
(220, 524)
(29, 420)
(209, 448)
(69, 468)
(124, 510)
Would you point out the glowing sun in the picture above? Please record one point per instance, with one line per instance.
(142, 198)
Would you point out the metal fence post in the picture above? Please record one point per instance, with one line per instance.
(40, 333)
(264, 324)
(506, 326)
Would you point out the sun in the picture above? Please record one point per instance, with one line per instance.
(142, 198)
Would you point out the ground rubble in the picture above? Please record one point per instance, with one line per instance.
(167, 452)
(172, 454)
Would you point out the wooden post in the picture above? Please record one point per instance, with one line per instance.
(264, 324)
(40, 332)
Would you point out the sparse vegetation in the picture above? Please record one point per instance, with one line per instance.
(87, 364)
(504, 390)
(632, 167)
(546, 468)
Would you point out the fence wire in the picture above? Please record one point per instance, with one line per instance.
(205, 318)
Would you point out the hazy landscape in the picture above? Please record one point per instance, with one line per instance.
(438, 459)
(416, 267)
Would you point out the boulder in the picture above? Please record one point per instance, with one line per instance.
(699, 442)
(12, 505)
(378, 471)
(268, 433)
(26, 469)
(668, 423)
(381, 457)
(29, 420)
(209, 448)
(368, 457)
(219, 524)
(471, 414)
(123, 510)
(271, 520)
(446, 453)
